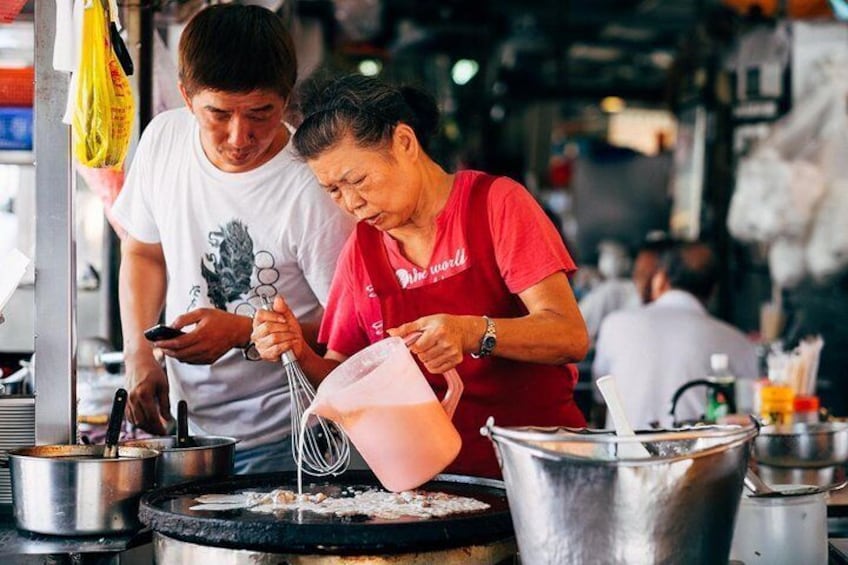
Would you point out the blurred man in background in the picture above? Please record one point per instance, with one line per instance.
(647, 262)
(614, 292)
(653, 350)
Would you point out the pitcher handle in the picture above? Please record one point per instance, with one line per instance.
(454, 393)
(412, 338)
(455, 385)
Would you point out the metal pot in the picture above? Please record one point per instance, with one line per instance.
(72, 490)
(804, 445)
(573, 500)
(817, 476)
(212, 457)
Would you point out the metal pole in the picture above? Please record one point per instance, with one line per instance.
(55, 244)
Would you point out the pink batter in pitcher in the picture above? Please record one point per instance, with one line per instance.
(385, 405)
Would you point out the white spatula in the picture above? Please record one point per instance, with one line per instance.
(609, 391)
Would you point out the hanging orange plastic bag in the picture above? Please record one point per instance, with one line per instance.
(103, 102)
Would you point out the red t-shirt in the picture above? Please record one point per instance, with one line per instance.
(528, 249)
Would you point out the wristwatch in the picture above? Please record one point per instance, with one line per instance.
(250, 352)
(488, 341)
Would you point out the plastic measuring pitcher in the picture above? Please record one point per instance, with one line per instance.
(388, 410)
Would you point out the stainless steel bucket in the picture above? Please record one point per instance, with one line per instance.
(72, 490)
(211, 457)
(573, 500)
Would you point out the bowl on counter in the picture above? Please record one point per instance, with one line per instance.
(73, 490)
(802, 445)
(816, 476)
(209, 457)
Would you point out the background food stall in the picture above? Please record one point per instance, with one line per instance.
(521, 84)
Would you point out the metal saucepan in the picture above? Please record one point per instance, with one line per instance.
(211, 457)
(188, 458)
(803, 445)
(74, 490)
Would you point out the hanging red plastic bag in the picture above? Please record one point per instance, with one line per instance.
(103, 101)
(106, 183)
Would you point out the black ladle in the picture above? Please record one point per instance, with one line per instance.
(118, 45)
(116, 422)
(120, 49)
(183, 439)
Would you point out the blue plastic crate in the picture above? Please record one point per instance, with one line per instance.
(16, 128)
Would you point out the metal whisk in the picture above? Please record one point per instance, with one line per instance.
(320, 458)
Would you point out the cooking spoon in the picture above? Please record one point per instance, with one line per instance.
(183, 439)
(116, 421)
(623, 429)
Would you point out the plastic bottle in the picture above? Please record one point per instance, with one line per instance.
(719, 399)
(777, 398)
(806, 409)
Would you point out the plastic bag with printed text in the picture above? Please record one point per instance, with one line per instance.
(103, 102)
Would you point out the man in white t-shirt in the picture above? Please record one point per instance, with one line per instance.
(220, 212)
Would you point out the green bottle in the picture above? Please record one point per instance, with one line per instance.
(721, 397)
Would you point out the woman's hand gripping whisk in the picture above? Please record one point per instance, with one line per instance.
(321, 449)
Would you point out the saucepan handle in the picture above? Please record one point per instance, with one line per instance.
(455, 385)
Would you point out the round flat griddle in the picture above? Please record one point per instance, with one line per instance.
(167, 511)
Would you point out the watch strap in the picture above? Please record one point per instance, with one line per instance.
(488, 341)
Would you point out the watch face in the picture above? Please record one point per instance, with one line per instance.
(251, 353)
(489, 342)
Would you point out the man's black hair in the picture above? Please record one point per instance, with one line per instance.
(692, 267)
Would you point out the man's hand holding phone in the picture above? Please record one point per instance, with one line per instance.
(161, 331)
(212, 333)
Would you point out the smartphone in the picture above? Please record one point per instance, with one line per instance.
(161, 331)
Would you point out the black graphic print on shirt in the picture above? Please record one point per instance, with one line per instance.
(228, 272)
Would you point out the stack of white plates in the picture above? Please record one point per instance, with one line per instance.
(17, 413)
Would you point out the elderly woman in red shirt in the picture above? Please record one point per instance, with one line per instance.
(468, 259)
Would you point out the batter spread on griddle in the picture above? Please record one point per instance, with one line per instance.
(370, 502)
